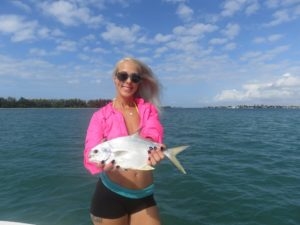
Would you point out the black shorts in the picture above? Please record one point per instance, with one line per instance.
(110, 205)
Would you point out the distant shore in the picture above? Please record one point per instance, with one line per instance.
(11, 102)
(51, 103)
(256, 107)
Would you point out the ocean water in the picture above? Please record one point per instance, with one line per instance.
(243, 167)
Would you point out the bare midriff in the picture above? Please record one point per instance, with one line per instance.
(131, 179)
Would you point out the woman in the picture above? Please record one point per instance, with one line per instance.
(125, 197)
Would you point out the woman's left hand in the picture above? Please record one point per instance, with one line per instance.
(156, 154)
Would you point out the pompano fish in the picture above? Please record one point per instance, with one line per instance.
(131, 152)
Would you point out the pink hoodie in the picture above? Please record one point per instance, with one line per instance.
(108, 123)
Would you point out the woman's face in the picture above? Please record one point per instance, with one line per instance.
(127, 88)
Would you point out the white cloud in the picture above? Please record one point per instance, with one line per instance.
(287, 80)
(21, 5)
(19, 28)
(186, 38)
(272, 3)
(197, 29)
(71, 14)
(46, 33)
(73, 81)
(117, 34)
(162, 38)
(218, 41)
(231, 30)
(279, 17)
(230, 46)
(229, 95)
(259, 40)
(252, 8)
(286, 87)
(67, 45)
(174, 1)
(160, 51)
(270, 38)
(274, 37)
(33, 70)
(38, 52)
(231, 7)
(284, 15)
(25, 68)
(88, 38)
(57, 33)
(260, 57)
(99, 50)
(278, 3)
(185, 12)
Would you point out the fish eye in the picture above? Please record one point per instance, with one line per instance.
(96, 151)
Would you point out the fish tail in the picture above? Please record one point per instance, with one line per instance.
(171, 154)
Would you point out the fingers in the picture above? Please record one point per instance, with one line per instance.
(156, 154)
(108, 166)
(163, 147)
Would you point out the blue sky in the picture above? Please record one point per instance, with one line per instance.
(204, 52)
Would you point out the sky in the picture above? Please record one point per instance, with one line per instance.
(203, 52)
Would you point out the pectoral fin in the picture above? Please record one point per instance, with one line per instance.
(120, 153)
(147, 167)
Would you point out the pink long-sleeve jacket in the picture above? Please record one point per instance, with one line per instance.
(108, 123)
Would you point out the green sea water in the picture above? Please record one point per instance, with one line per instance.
(243, 167)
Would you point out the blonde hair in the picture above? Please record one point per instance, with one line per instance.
(149, 87)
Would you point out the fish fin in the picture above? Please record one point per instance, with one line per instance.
(147, 167)
(119, 153)
(171, 154)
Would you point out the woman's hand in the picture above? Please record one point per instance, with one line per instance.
(156, 154)
(108, 166)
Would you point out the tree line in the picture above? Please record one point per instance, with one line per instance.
(11, 102)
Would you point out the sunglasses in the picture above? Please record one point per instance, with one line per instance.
(134, 77)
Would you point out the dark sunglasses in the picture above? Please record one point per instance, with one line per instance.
(134, 77)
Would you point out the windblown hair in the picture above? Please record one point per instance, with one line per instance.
(149, 88)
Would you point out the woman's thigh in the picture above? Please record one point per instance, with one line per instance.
(148, 216)
(103, 221)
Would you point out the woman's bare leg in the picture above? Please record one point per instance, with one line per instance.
(148, 216)
(102, 221)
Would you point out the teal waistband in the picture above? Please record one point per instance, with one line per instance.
(128, 193)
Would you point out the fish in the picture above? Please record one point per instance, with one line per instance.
(131, 152)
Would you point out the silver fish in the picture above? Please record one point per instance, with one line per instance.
(131, 152)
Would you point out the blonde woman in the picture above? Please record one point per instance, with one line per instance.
(125, 197)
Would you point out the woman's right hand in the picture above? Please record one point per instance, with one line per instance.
(108, 166)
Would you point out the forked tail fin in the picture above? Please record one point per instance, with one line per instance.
(171, 154)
